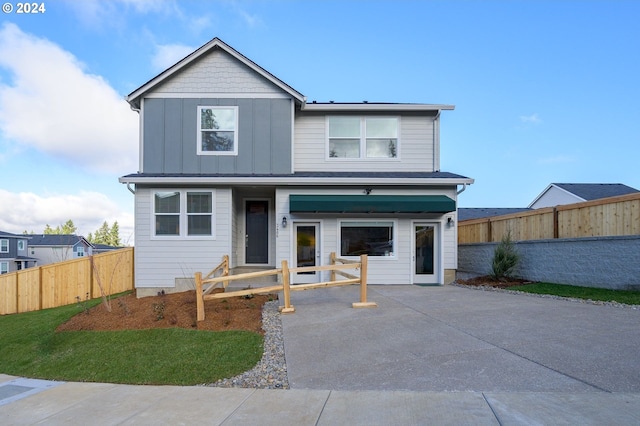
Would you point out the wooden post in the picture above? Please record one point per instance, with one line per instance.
(225, 269)
(556, 231)
(287, 308)
(363, 285)
(199, 297)
(333, 262)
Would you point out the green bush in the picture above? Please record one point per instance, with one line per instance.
(505, 258)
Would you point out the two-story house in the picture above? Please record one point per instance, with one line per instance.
(52, 248)
(235, 161)
(14, 252)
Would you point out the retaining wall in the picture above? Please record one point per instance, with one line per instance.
(605, 262)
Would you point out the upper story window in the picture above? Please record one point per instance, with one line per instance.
(217, 130)
(4, 246)
(80, 251)
(21, 245)
(363, 137)
(183, 213)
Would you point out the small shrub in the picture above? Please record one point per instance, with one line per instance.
(158, 309)
(505, 258)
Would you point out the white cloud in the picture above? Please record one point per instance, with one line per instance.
(27, 211)
(533, 118)
(168, 54)
(54, 105)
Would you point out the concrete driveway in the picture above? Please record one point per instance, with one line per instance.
(457, 339)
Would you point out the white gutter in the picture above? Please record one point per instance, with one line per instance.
(292, 181)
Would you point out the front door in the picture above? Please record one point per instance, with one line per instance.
(426, 255)
(256, 239)
(307, 251)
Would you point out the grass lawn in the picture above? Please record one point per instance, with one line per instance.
(606, 295)
(32, 348)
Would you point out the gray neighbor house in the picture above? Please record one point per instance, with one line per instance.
(14, 253)
(234, 161)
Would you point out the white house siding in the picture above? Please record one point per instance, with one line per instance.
(382, 270)
(158, 262)
(416, 147)
(555, 197)
(231, 76)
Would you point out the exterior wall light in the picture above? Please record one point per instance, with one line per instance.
(450, 221)
(284, 221)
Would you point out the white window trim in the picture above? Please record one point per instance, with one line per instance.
(3, 244)
(363, 140)
(393, 256)
(22, 243)
(199, 131)
(4, 267)
(183, 216)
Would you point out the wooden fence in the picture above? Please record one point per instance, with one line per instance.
(599, 218)
(68, 282)
(336, 267)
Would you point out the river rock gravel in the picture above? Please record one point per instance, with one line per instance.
(271, 371)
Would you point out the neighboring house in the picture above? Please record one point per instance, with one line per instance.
(234, 161)
(14, 253)
(52, 248)
(568, 193)
(103, 248)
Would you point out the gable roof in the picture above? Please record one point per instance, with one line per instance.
(49, 240)
(589, 191)
(134, 97)
(595, 191)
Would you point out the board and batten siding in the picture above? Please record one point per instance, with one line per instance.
(158, 262)
(382, 270)
(415, 149)
(170, 136)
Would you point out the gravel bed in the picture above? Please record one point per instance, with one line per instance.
(547, 296)
(271, 371)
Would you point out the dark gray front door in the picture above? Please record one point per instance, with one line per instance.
(257, 231)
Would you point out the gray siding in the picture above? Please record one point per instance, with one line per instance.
(264, 137)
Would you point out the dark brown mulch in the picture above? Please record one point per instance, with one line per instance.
(489, 281)
(172, 310)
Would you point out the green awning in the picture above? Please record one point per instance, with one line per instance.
(371, 204)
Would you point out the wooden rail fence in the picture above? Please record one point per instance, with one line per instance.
(599, 218)
(67, 282)
(336, 268)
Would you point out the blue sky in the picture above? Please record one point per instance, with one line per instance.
(545, 91)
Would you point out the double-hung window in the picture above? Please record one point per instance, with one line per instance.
(183, 214)
(363, 137)
(4, 267)
(4, 246)
(373, 238)
(217, 130)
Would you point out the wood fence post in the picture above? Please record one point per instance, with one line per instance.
(363, 285)
(333, 262)
(556, 231)
(199, 297)
(225, 270)
(287, 308)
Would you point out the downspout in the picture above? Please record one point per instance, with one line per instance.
(464, 186)
(133, 191)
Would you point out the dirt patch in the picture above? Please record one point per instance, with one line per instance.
(489, 281)
(172, 310)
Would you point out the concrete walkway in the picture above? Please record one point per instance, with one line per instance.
(426, 355)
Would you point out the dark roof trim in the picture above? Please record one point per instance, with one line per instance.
(371, 204)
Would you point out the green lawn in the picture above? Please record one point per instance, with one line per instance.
(30, 347)
(606, 295)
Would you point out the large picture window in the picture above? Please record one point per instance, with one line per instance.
(363, 137)
(183, 213)
(370, 238)
(217, 130)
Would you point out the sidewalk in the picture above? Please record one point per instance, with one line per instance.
(108, 404)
